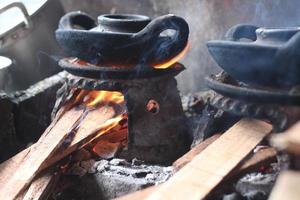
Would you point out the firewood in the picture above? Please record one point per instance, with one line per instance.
(253, 162)
(262, 158)
(90, 128)
(286, 186)
(41, 187)
(53, 146)
(189, 156)
(288, 141)
(198, 178)
(38, 154)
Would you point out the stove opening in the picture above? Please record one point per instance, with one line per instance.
(112, 134)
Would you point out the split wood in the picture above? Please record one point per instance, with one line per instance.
(198, 178)
(75, 128)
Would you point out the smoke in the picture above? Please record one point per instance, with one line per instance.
(210, 20)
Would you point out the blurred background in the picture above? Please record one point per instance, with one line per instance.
(30, 48)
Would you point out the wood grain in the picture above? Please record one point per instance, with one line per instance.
(38, 154)
(41, 187)
(198, 178)
(54, 145)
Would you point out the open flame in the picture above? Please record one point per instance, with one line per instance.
(173, 60)
(114, 129)
(95, 98)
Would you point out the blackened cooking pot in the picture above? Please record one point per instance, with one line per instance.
(260, 56)
(122, 40)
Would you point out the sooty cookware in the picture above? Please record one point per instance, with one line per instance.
(122, 40)
(260, 56)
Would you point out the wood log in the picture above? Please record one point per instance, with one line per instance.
(254, 161)
(286, 186)
(96, 123)
(189, 156)
(53, 146)
(37, 155)
(42, 186)
(198, 178)
(263, 156)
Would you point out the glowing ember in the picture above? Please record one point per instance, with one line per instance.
(173, 60)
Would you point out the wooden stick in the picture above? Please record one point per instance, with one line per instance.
(41, 186)
(259, 159)
(262, 157)
(189, 156)
(286, 186)
(38, 154)
(51, 143)
(198, 178)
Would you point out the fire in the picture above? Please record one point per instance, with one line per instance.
(174, 59)
(95, 98)
(114, 129)
(110, 124)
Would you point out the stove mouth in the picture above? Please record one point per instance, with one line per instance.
(87, 70)
(123, 23)
(123, 19)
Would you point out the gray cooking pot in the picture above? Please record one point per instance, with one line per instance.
(30, 42)
(260, 56)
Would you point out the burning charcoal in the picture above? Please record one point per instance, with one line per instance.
(82, 168)
(81, 155)
(34, 107)
(105, 149)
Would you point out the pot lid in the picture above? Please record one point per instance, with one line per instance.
(14, 16)
(4, 62)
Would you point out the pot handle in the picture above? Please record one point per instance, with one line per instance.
(23, 9)
(160, 47)
(76, 20)
(240, 31)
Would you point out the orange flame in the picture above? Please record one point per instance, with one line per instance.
(110, 124)
(95, 98)
(174, 59)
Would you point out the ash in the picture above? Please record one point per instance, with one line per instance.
(106, 179)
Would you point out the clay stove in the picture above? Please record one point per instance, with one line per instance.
(157, 131)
